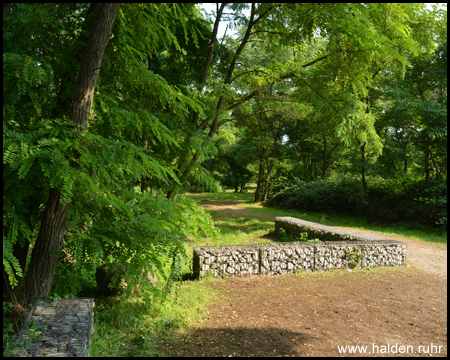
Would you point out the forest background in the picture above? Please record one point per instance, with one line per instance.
(112, 113)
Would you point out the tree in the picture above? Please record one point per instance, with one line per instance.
(238, 158)
(45, 254)
(352, 39)
(91, 164)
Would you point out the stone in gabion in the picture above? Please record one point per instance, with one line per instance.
(276, 259)
(66, 328)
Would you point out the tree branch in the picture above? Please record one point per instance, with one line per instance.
(316, 92)
(269, 32)
(256, 113)
(203, 124)
(236, 104)
(317, 60)
(263, 14)
(210, 54)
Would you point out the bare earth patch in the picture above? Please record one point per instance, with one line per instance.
(312, 314)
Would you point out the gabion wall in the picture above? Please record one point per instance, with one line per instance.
(65, 326)
(342, 249)
(278, 259)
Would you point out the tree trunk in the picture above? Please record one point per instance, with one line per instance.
(92, 61)
(427, 164)
(363, 179)
(259, 184)
(44, 257)
(45, 254)
(266, 181)
(210, 54)
(324, 167)
(228, 79)
(405, 161)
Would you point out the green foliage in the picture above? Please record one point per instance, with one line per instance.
(8, 326)
(435, 197)
(139, 231)
(286, 237)
(286, 175)
(394, 201)
(322, 195)
(10, 262)
(9, 330)
(354, 257)
(299, 92)
(94, 171)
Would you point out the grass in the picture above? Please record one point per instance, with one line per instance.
(242, 230)
(130, 327)
(407, 230)
(227, 195)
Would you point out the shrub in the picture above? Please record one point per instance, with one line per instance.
(337, 195)
(394, 200)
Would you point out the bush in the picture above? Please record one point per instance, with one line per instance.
(285, 176)
(337, 195)
(394, 200)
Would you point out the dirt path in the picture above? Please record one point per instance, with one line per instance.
(389, 311)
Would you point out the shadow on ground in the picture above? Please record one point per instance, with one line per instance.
(235, 342)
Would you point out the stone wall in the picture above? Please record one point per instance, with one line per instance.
(65, 327)
(278, 259)
(226, 260)
(341, 249)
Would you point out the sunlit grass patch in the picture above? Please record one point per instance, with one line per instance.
(130, 327)
(228, 195)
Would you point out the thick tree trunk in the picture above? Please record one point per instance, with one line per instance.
(45, 254)
(44, 257)
(92, 61)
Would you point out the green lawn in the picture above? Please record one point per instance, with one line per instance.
(412, 231)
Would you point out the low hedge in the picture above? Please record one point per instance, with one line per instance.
(420, 202)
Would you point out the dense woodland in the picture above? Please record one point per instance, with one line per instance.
(112, 113)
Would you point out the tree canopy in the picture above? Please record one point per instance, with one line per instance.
(303, 92)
